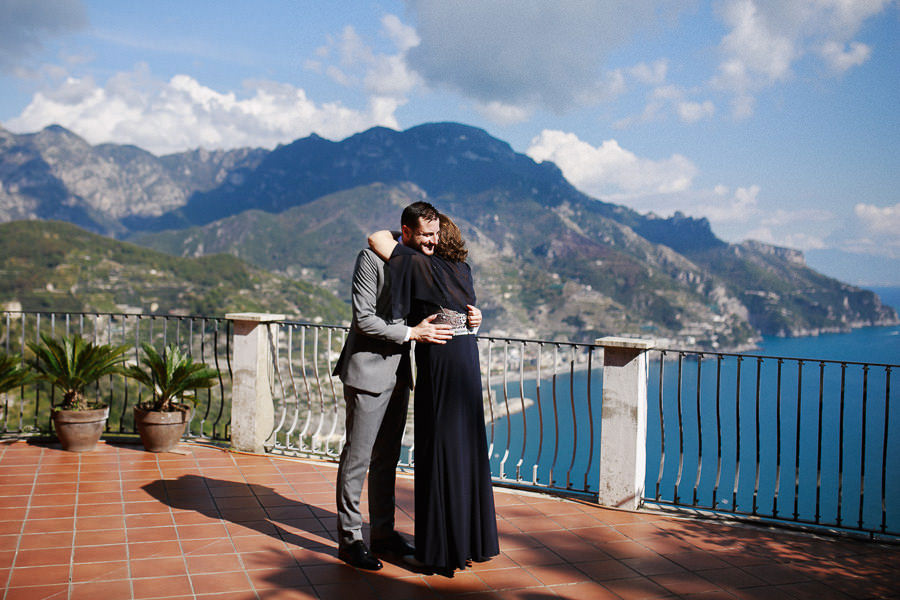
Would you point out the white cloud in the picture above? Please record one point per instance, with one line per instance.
(766, 38)
(610, 171)
(403, 36)
(841, 57)
(528, 53)
(503, 114)
(163, 117)
(730, 208)
(691, 112)
(652, 74)
(668, 98)
(880, 219)
(378, 74)
(876, 230)
(797, 240)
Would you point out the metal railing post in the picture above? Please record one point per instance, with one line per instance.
(623, 432)
(252, 411)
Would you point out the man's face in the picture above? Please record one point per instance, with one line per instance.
(424, 237)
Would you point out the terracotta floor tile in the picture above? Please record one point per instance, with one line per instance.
(509, 579)
(11, 527)
(684, 582)
(277, 578)
(154, 549)
(6, 558)
(51, 512)
(213, 563)
(99, 523)
(637, 588)
(605, 570)
(167, 566)
(101, 571)
(730, 578)
(40, 592)
(776, 574)
(46, 540)
(152, 534)
(330, 573)
(201, 531)
(91, 554)
(39, 526)
(210, 583)
(358, 590)
(161, 587)
(652, 565)
(43, 575)
(101, 589)
(275, 534)
(99, 510)
(257, 543)
(100, 538)
(584, 591)
(151, 520)
(558, 574)
(200, 547)
(528, 557)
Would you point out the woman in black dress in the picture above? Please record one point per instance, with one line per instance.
(455, 521)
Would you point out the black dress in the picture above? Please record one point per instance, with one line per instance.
(454, 500)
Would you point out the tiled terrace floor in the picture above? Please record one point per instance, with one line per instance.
(124, 523)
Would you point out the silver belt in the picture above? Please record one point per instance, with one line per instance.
(456, 320)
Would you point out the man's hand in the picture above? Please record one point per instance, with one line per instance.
(474, 320)
(430, 333)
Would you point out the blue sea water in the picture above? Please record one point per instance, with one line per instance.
(814, 454)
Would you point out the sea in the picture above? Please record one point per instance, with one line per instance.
(817, 462)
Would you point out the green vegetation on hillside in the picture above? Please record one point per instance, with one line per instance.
(55, 266)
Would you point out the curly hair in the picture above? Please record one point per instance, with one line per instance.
(451, 244)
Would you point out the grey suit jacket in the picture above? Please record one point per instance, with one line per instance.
(374, 355)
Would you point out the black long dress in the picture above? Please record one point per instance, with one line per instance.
(454, 501)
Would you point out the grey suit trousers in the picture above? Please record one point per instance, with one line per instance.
(374, 428)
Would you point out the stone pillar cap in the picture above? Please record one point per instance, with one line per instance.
(256, 317)
(624, 342)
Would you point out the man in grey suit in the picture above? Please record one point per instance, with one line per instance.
(374, 366)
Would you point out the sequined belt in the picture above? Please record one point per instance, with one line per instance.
(456, 320)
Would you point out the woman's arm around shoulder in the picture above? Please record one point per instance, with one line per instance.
(382, 243)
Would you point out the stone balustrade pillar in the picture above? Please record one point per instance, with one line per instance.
(252, 411)
(623, 435)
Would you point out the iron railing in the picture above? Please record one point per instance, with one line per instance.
(27, 411)
(531, 390)
(813, 442)
(807, 441)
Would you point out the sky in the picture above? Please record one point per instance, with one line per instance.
(778, 120)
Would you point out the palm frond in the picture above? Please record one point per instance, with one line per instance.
(13, 373)
(172, 375)
(73, 363)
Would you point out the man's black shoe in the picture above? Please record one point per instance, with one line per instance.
(393, 544)
(358, 555)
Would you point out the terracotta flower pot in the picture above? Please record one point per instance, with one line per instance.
(161, 431)
(79, 430)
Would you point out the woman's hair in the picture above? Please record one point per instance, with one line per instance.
(451, 244)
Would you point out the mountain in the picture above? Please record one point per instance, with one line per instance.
(549, 260)
(55, 266)
(55, 174)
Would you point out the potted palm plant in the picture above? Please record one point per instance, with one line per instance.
(72, 364)
(172, 378)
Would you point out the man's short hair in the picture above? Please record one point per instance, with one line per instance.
(418, 210)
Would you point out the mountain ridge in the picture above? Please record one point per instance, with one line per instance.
(555, 261)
